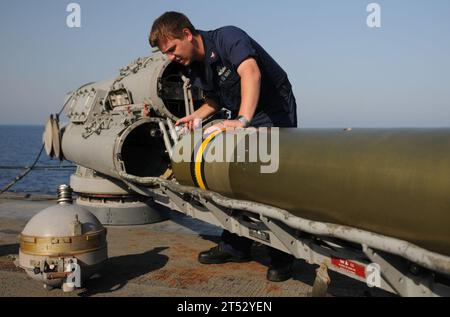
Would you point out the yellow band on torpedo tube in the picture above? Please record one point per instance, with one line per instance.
(199, 158)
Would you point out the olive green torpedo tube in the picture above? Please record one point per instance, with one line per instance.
(393, 182)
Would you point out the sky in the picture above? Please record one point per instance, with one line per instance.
(344, 73)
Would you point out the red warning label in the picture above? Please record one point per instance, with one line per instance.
(350, 266)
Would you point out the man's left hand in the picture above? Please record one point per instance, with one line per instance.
(227, 124)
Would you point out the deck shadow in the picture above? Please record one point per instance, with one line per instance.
(8, 249)
(118, 271)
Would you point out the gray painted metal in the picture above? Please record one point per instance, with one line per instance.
(87, 181)
(110, 201)
(100, 151)
(123, 213)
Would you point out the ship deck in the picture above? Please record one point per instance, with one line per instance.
(159, 259)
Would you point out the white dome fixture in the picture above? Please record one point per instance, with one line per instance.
(63, 245)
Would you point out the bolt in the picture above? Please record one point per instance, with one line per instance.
(415, 269)
(64, 194)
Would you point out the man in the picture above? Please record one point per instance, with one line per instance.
(236, 73)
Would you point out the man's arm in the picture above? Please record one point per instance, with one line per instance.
(193, 120)
(250, 75)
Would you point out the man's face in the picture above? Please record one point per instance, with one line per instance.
(179, 50)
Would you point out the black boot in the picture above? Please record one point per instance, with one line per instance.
(279, 273)
(217, 256)
(280, 268)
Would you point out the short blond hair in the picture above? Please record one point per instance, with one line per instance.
(170, 25)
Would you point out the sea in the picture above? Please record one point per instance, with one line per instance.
(19, 147)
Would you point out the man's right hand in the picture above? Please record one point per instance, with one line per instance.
(191, 122)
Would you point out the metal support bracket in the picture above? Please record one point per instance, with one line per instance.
(402, 283)
(284, 234)
(223, 216)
